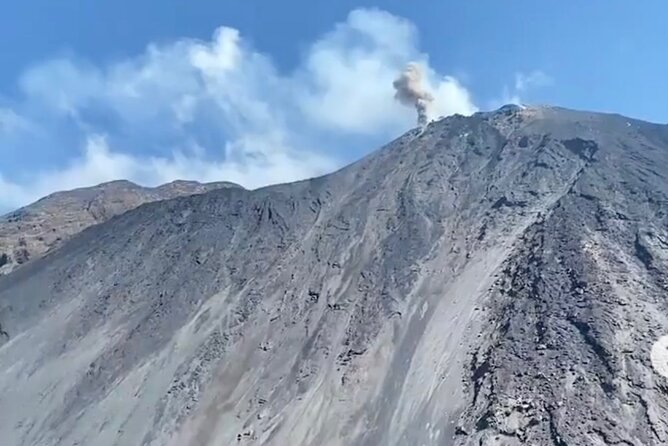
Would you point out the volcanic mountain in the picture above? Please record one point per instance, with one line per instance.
(498, 279)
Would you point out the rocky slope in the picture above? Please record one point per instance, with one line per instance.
(30, 232)
(494, 280)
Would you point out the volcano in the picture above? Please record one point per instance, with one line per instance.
(498, 279)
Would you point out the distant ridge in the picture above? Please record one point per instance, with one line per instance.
(28, 233)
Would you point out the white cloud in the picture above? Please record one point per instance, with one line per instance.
(348, 74)
(534, 79)
(450, 97)
(351, 84)
(525, 84)
(218, 110)
(11, 122)
(100, 164)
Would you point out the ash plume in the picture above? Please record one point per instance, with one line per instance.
(410, 90)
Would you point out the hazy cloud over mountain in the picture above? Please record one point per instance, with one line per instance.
(213, 110)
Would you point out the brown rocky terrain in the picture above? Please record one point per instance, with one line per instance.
(34, 230)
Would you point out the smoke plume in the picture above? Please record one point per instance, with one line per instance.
(411, 91)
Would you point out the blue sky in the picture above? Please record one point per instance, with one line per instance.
(264, 92)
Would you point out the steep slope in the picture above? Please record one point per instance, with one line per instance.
(493, 280)
(29, 232)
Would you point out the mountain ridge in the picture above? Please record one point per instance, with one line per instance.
(31, 231)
